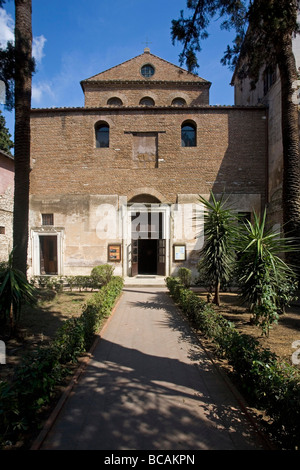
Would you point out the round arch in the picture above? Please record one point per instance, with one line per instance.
(144, 194)
(144, 199)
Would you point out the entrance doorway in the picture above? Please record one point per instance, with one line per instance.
(48, 254)
(148, 251)
(147, 245)
(147, 256)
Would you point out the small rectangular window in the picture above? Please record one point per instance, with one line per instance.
(2, 230)
(47, 219)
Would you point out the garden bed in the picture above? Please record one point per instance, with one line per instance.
(281, 336)
(40, 323)
(56, 334)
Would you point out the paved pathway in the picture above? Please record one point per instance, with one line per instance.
(150, 386)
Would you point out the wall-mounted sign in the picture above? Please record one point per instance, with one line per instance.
(114, 252)
(179, 252)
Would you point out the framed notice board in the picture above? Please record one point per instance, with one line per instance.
(114, 252)
(179, 252)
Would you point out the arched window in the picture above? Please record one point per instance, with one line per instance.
(147, 101)
(102, 134)
(178, 102)
(115, 101)
(188, 134)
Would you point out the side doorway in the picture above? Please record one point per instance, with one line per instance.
(48, 255)
(148, 248)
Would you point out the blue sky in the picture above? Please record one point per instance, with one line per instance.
(75, 39)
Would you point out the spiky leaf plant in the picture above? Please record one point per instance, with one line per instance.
(262, 272)
(217, 256)
(15, 290)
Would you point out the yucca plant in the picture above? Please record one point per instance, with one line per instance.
(217, 257)
(15, 290)
(262, 272)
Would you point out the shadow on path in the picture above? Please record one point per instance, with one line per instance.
(150, 386)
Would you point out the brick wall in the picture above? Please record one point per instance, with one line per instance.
(230, 153)
(162, 94)
(126, 82)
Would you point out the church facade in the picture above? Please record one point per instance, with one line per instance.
(118, 180)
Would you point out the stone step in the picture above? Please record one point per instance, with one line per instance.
(145, 280)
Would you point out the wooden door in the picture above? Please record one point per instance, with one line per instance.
(161, 257)
(134, 257)
(48, 254)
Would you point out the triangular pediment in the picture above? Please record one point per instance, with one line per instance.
(133, 69)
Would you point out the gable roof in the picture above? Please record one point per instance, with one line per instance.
(130, 70)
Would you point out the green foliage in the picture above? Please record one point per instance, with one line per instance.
(269, 20)
(15, 290)
(266, 282)
(6, 144)
(185, 275)
(102, 274)
(42, 370)
(217, 255)
(92, 316)
(81, 282)
(269, 384)
(252, 255)
(7, 73)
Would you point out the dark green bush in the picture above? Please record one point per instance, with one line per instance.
(102, 274)
(185, 276)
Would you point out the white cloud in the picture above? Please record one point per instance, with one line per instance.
(40, 90)
(38, 47)
(6, 28)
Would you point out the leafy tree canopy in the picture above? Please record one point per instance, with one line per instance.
(269, 21)
(6, 144)
(8, 58)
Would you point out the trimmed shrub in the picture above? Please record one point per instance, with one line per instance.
(102, 274)
(185, 276)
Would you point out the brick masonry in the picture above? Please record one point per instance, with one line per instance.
(230, 154)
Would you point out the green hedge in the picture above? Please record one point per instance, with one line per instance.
(42, 370)
(271, 385)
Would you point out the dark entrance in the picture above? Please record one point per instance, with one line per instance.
(48, 254)
(147, 253)
(148, 245)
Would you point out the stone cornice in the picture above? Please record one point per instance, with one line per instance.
(119, 109)
(143, 83)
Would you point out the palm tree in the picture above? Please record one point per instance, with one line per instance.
(23, 73)
(290, 138)
(217, 255)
